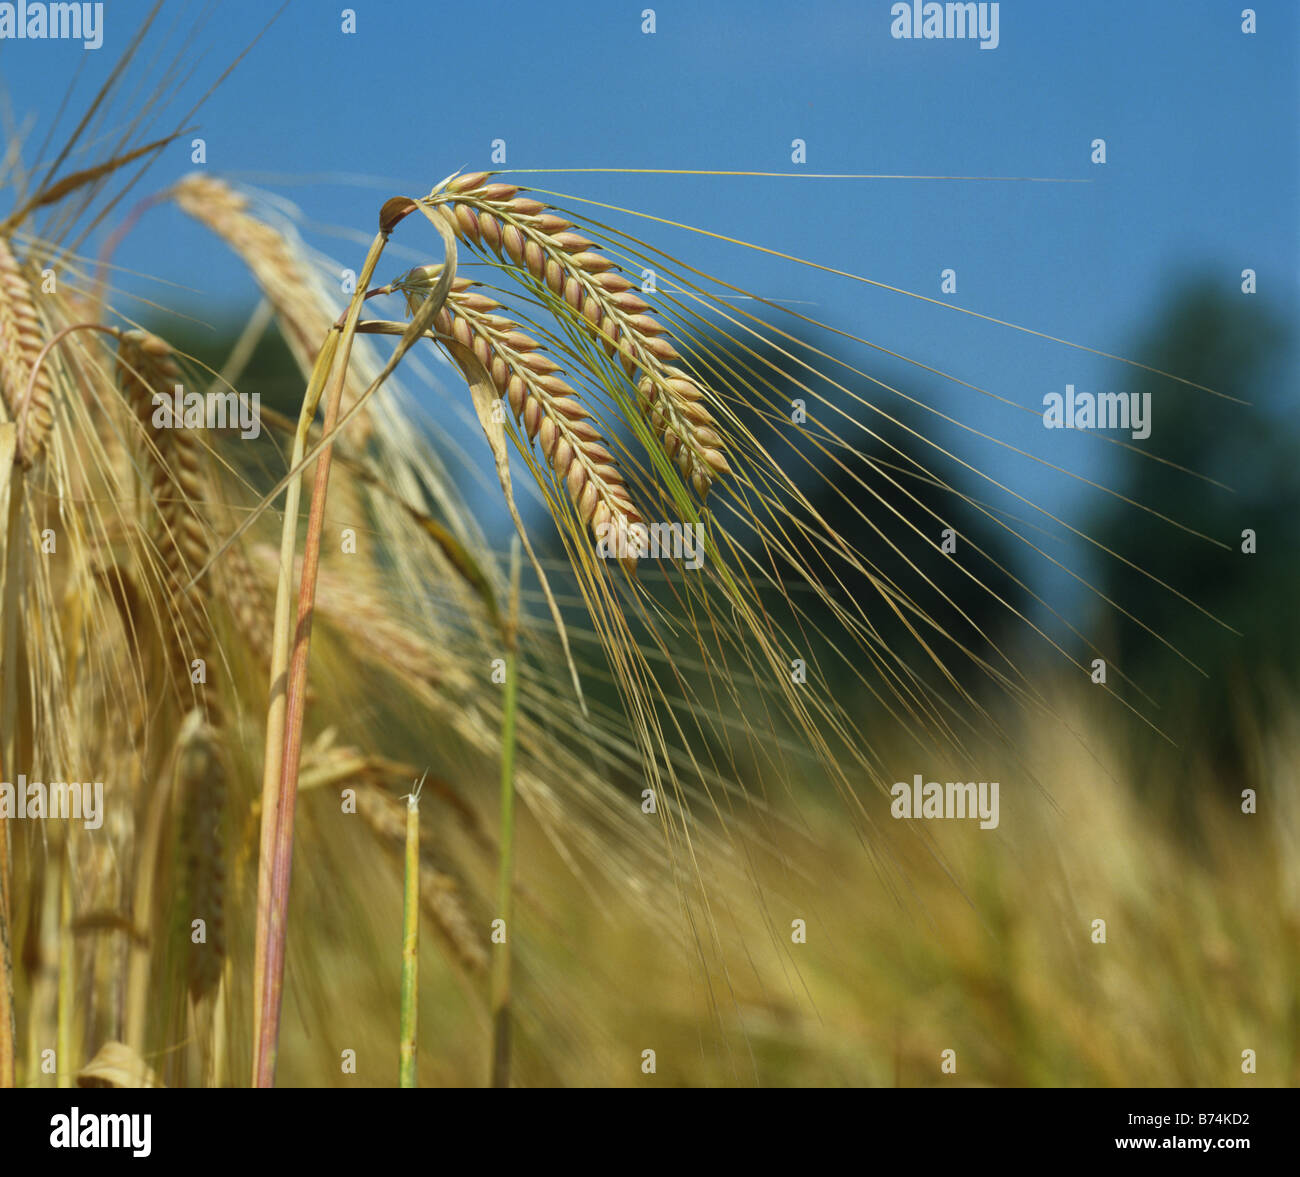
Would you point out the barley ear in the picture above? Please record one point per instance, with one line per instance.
(531, 236)
(20, 347)
(546, 406)
(148, 373)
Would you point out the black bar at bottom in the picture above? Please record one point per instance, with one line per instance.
(925, 1126)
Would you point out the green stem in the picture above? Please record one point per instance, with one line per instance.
(500, 1076)
(14, 541)
(411, 945)
(67, 969)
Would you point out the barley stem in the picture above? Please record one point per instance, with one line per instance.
(8, 753)
(67, 969)
(278, 809)
(279, 668)
(411, 945)
(270, 983)
(500, 1076)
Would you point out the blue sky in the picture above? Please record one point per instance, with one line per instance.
(1199, 121)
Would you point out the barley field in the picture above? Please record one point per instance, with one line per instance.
(640, 579)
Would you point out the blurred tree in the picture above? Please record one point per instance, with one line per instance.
(1236, 346)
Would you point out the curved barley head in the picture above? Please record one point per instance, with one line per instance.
(546, 405)
(179, 540)
(494, 218)
(147, 369)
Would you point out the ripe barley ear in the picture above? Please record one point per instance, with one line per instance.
(20, 345)
(495, 219)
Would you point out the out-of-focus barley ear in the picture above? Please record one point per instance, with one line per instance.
(21, 339)
(9, 696)
(201, 782)
(26, 391)
(172, 457)
(280, 270)
(179, 537)
(248, 599)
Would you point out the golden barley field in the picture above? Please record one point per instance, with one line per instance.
(518, 647)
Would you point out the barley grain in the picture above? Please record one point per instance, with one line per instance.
(530, 235)
(546, 405)
(20, 345)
